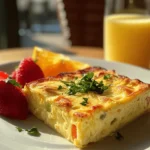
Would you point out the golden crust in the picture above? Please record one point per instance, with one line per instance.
(102, 72)
(122, 89)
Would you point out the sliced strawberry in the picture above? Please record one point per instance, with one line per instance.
(3, 75)
(27, 71)
(13, 103)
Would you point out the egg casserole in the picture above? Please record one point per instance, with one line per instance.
(87, 105)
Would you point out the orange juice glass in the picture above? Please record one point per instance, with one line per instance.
(127, 38)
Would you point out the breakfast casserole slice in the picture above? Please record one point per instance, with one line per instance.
(87, 105)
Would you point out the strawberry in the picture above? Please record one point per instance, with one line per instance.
(13, 75)
(13, 103)
(27, 71)
(3, 75)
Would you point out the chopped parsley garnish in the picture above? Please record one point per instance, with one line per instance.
(118, 136)
(19, 129)
(85, 84)
(107, 76)
(12, 81)
(60, 87)
(33, 131)
(85, 102)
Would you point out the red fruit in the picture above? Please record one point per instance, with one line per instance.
(13, 103)
(3, 75)
(13, 75)
(27, 71)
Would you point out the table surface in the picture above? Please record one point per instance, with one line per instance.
(15, 54)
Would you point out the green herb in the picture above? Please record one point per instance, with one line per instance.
(68, 83)
(12, 81)
(19, 129)
(33, 131)
(60, 87)
(86, 84)
(107, 76)
(118, 136)
(85, 102)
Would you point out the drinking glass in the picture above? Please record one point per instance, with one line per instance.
(127, 31)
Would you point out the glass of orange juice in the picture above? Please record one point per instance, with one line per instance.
(127, 31)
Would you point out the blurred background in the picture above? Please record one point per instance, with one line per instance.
(38, 23)
(26, 23)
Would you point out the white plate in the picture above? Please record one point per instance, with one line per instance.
(136, 134)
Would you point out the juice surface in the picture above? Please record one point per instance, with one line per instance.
(127, 39)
